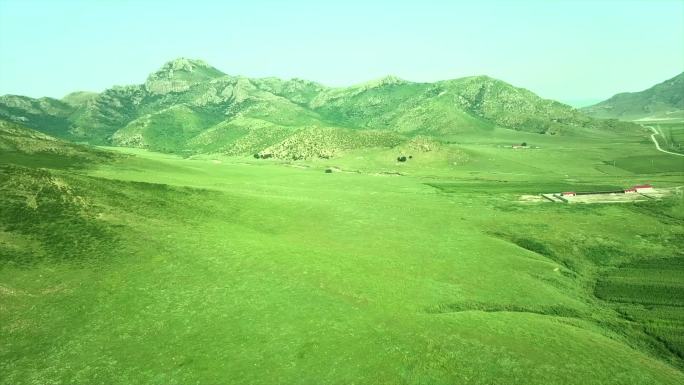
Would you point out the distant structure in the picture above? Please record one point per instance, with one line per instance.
(636, 193)
(642, 188)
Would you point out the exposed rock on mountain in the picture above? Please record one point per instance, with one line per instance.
(188, 106)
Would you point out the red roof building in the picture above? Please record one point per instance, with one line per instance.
(643, 188)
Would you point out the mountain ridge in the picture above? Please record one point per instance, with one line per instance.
(658, 101)
(188, 106)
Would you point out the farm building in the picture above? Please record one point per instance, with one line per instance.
(643, 188)
(629, 194)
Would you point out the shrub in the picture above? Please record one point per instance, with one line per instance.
(534, 246)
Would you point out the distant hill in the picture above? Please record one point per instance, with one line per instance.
(24, 146)
(46, 114)
(663, 100)
(189, 107)
(79, 98)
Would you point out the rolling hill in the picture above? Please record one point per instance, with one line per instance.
(48, 115)
(156, 268)
(24, 146)
(664, 100)
(190, 107)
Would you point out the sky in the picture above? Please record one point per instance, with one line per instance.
(576, 51)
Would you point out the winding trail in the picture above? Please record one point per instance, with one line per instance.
(653, 135)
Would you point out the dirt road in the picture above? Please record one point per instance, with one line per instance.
(653, 135)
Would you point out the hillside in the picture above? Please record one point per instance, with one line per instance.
(190, 107)
(48, 115)
(664, 100)
(24, 146)
(79, 98)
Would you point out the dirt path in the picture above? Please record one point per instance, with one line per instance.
(653, 135)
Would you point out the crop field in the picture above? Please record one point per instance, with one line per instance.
(645, 282)
(651, 292)
(152, 268)
(673, 135)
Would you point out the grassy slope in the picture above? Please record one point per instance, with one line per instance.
(48, 115)
(664, 100)
(22, 145)
(236, 270)
(167, 130)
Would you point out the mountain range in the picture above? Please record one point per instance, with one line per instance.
(190, 107)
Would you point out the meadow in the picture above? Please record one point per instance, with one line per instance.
(154, 268)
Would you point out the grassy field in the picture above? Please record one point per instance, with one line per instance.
(151, 268)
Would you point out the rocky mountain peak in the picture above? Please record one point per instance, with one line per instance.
(179, 74)
(183, 65)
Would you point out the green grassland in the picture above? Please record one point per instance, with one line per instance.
(141, 267)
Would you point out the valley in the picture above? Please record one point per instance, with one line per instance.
(376, 192)
(133, 266)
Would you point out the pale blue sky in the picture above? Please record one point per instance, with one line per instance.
(566, 50)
